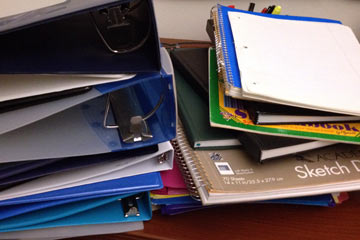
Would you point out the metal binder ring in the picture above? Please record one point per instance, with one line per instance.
(137, 129)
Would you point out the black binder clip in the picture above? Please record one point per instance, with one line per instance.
(130, 120)
(130, 206)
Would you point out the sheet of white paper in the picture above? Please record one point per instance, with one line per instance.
(107, 171)
(299, 63)
(52, 134)
(12, 120)
(20, 86)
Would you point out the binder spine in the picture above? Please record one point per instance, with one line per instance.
(223, 49)
(190, 168)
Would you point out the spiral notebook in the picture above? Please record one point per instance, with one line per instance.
(304, 62)
(231, 176)
(225, 49)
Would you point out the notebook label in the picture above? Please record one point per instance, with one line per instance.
(224, 168)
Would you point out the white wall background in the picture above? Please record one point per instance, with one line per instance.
(186, 19)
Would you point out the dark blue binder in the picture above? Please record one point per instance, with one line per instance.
(73, 37)
(11, 169)
(35, 169)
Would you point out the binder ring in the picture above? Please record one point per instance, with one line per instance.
(117, 18)
(136, 129)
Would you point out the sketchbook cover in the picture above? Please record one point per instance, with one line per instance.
(230, 176)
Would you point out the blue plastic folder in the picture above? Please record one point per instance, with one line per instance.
(325, 200)
(94, 211)
(230, 61)
(79, 130)
(174, 200)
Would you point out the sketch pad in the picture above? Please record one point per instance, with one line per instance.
(301, 63)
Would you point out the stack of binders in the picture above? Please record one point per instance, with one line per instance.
(87, 110)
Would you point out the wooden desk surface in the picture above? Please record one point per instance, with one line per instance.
(252, 221)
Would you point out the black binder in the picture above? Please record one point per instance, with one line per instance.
(78, 37)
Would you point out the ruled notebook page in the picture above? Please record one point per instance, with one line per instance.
(300, 63)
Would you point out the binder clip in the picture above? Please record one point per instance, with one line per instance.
(131, 122)
(130, 206)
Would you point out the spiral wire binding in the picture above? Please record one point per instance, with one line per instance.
(218, 45)
(179, 159)
(221, 48)
(190, 169)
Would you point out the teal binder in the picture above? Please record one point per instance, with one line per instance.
(115, 209)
